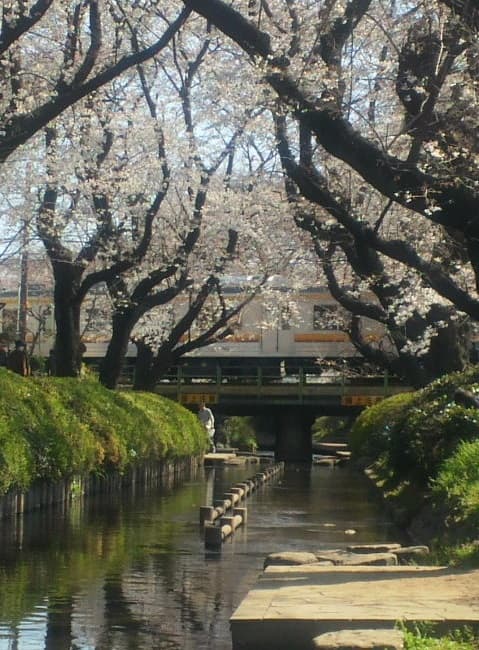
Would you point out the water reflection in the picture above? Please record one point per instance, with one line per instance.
(132, 573)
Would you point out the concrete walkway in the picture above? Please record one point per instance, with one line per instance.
(290, 605)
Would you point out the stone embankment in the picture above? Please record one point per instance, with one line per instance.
(351, 599)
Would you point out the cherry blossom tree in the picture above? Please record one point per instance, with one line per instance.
(424, 66)
(209, 224)
(424, 336)
(376, 127)
(89, 203)
(102, 215)
(387, 94)
(55, 53)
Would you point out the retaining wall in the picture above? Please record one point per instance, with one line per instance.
(44, 494)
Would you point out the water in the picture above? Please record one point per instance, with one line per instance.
(131, 572)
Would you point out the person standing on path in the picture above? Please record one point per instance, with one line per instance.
(3, 355)
(208, 420)
(18, 360)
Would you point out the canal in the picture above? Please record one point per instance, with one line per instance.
(130, 571)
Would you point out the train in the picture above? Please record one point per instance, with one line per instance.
(304, 336)
(284, 334)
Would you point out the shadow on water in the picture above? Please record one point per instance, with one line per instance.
(130, 571)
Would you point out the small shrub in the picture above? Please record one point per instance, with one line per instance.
(463, 554)
(371, 433)
(457, 484)
(240, 432)
(328, 425)
(410, 435)
(37, 365)
(428, 433)
(423, 637)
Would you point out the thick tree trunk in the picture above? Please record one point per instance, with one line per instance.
(149, 369)
(450, 349)
(113, 361)
(164, 360)
(67, 319)
(412, 370)
(144, 362)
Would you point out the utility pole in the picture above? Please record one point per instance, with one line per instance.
(23, 287)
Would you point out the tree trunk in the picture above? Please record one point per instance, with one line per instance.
(412, 371)
(143, 367)
(113, 361)
(450, 349)
(164, 360)
(150, 369)
(67, 319)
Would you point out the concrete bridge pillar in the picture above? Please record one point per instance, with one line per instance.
(293, 436)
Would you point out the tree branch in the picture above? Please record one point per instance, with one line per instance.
(19, 128)
(13, 29)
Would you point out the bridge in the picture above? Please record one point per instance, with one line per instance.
(292, 401)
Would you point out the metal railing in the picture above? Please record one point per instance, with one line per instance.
(263, 383)
(256, 385)
(262, 375)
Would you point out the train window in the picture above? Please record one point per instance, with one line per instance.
(326, 317)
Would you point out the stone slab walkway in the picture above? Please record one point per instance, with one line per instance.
(290, 605)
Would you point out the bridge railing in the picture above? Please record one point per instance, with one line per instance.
(256, 386)
(269, 377)
(242, 374)
(262, 375)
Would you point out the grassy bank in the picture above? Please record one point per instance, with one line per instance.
(51, 428)
(422, 449)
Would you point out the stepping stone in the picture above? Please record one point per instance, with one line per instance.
(360, 640)
(290, 558)
(236, 461)
(411, 552)
(342, 558)
(327, 461)
(333, 446)
(374, 548)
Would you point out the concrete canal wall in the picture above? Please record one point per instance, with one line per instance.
(44, 494)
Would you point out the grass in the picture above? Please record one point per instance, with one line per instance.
(423, 452)
(422, 449)
(464, 555)
(52, 428)
(422, 637)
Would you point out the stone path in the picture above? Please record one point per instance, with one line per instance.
(291, 605)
